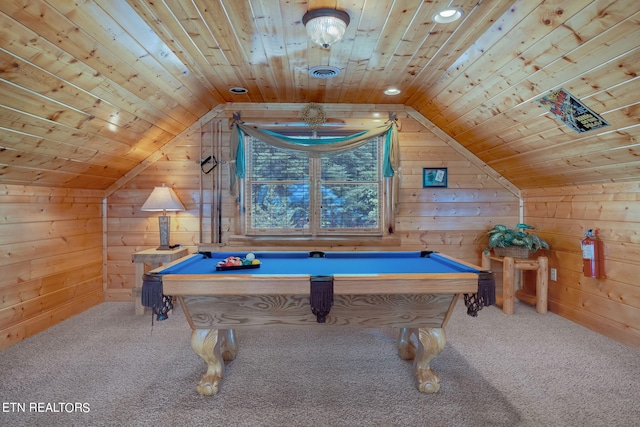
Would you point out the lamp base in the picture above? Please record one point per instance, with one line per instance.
(164, 222)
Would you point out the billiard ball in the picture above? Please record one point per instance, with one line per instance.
(250, 257)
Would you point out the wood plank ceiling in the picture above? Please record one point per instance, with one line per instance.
(90, 88)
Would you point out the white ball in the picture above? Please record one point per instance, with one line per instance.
(250, 257)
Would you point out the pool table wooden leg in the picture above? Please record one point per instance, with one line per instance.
(228, 347)
(431, 341)
(406, 347)
(206, 344)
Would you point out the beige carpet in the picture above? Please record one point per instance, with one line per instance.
(496, 370)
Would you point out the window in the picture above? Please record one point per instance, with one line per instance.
(290, 193)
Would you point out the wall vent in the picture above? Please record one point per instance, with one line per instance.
(324, 72)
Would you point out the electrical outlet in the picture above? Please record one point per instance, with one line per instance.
(554, 274)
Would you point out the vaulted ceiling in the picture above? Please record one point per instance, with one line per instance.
(91, 88)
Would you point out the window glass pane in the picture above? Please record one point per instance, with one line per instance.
(279, 190)
(355, 165)
(279, 206)
(275, 164)
(292, 193)
(349, 206)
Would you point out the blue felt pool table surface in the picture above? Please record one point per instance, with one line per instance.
(332, 263)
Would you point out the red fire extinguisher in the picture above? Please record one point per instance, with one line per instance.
(592, 255)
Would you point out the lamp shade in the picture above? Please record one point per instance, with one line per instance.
(163, 199)
(325, 26)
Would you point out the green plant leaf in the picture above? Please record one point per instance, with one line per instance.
(496, 240)
(525, 226)
(502, 236)
(519, 241)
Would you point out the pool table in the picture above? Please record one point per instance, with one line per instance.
(414, 291)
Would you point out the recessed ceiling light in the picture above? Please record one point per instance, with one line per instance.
(392, 91)
(238, 90)
(448, 15)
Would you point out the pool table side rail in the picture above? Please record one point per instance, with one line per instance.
(172, 263)
(194, 284)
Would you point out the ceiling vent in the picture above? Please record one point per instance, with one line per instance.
(324, 72)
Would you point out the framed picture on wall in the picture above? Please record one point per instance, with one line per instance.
(434, 177)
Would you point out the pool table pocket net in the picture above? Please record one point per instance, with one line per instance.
(486, 295)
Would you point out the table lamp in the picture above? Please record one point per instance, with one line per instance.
(163, 199)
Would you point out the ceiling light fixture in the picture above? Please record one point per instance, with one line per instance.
(448, 15)
(326, 26)
(392, 91)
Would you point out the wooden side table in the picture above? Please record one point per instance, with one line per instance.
(149, 259)
(512, 277)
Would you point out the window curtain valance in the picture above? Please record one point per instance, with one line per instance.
(313, 146)
(319, 147)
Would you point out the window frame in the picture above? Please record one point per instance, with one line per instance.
(315, 228)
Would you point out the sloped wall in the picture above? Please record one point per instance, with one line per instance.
(50, 257)
(449, 220)
(128, 229)
(51, 239)
(444, 219)
(611, 305)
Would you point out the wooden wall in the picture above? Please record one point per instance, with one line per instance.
(610, 306)
(128, 229)
(54, 242)
(50, 257)
(448, 220)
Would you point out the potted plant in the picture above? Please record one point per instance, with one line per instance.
(517, 242)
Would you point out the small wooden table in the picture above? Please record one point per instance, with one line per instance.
(149, 259)
(512, 280)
